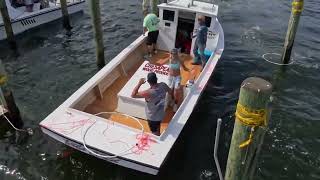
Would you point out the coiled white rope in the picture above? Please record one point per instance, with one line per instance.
(277, 54)
(109, 156)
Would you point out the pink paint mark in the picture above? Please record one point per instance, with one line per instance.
(69, 127)
(143, 144)
(219, 51)
(66, 154)
(200, 87)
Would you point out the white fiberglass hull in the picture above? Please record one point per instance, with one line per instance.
(38, 18)
(67, 123)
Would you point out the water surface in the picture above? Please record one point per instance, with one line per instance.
(51, 66)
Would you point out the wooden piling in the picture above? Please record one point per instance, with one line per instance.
(7, 24)
(8, 100)
(155, 7)
(65, 15)
(249, 128)
(98, 34)
(297, 7)
(150, 6)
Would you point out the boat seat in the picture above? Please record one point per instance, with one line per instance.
(136, 106)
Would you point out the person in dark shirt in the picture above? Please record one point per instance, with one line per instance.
(200, 43)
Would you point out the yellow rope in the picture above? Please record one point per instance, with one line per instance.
(297, 7)
(250, 117)
(3, 79)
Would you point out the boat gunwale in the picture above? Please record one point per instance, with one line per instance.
(213, 60)
(43, 11)
(98, 77)
(183, 8)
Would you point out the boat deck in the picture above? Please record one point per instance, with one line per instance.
(109, 102)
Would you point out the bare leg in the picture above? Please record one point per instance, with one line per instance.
(192, 75)
(154, 48)
(150, 49)
(178, 96)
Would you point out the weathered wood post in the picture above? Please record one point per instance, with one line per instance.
(7, 24)
(65, 15)
(96, 22)
(297, 7)
(248, 132)
(8, 99)
(155, 7)
(150, 6)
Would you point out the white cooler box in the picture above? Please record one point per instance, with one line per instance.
(136, 106)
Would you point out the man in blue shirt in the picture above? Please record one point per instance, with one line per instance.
(200, 43)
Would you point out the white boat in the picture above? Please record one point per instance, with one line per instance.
(102, 120)
(21, 20)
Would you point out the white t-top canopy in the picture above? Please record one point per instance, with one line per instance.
(197, 7)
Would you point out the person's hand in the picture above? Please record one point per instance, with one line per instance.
(142, 81)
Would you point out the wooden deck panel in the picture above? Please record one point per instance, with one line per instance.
(109, 102)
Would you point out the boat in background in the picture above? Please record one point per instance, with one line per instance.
(102, 120)
(21, 20)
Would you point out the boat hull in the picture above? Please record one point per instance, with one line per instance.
(117, 160)
(68, 122)
(44, 16)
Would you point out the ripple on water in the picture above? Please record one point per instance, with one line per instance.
(52, 66)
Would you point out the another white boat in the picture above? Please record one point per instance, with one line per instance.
(102, 120)
(21, 20)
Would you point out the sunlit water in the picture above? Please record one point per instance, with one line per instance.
(51, 66)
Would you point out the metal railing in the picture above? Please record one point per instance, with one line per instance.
(57, 2)
(216, 143)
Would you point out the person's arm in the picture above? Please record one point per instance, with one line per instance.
(142, 94)
(144, 30)
(168, 89)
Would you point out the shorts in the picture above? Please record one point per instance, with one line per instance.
(174, 82)
(152, 37)
(154, 125)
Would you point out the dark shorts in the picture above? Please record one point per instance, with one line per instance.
(152, 37)
(154, 126)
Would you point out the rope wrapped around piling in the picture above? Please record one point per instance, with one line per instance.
(3, 79)
(250, 117)
(297, 7)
